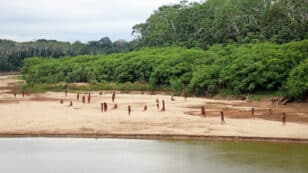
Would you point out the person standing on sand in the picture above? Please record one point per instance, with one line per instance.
(83, 99)
(14, 94)
(222, 117)
(77, 96)
(203, 111)
(89, 97)
(105, 107)
(284, 118)
(252, 111)
(270, 112)
(102, 107)
(65, 92)
(113, 95)
(163, 104)
(23, 94)
(129, 109)
(145, 108)
(157, 103)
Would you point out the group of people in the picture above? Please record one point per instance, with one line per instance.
(284, 115)
(22, 93)
(104, 106)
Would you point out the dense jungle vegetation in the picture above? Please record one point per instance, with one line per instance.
(245, 68)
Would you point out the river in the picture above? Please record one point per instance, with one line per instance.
(82, 155)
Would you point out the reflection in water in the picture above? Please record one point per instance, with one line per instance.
(119, 155)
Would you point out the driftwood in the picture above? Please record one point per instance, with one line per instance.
(115, 106)
(279, 101)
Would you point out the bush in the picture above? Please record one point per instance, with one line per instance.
(240, 69)
(297, 83)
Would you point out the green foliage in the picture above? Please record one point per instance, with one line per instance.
(224, 22)
(12, 53)
(204, 81)
(239, 69)
(297, 83)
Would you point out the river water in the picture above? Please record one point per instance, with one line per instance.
(67, 155)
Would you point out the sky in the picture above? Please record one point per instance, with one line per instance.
(72, 20)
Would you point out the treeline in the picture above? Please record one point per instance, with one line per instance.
(239, 69)
(12, 53)
(224, 22)
(186, 25)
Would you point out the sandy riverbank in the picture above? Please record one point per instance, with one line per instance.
(43, 115)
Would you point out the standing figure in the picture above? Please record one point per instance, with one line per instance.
(163, 104)
(252, 111)
(105, 107)
(284, 118)
(145, 108)
(102, 107)
(157, 103)
(115, 106)
(23, 94)
(113, 95)
(65, 92)
(77, 96)
(270, 112)
(222, 117)
(89, 97)
(203, 111)
(129, 109)
(14, 94)
(83, 99)
(71, 103)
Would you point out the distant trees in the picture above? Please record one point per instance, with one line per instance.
(12, 53)
(240, 69)
(224, 22)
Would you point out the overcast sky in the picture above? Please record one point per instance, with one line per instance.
(71, 20)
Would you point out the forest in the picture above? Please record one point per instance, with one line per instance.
(184, 24)
(231, 46)
(238, 69)
(12, 53)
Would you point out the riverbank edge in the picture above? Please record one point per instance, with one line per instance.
(176, 137)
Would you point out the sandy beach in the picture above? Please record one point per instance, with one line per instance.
(43, 115)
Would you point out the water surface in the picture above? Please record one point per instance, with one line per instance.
(66, 155)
